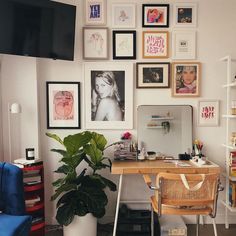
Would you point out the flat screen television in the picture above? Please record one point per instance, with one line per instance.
(37, 28)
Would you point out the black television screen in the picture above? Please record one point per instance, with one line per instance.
(37, 28)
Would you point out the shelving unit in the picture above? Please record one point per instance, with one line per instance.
(230, 87)
(155, 122)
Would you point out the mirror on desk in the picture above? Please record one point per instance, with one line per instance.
(165, 129)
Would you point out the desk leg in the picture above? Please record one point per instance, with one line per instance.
(117, 205)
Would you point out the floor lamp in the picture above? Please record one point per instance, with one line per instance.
(14, 108)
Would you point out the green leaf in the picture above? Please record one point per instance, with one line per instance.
(109, 183)
(65, 214)
(60, 151)
(66, 198)
(64, 169)
(63, 188)
(93, 152)
(58, 182)
(56, 137)
(100, 140)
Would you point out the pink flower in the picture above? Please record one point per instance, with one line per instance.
(126, 135)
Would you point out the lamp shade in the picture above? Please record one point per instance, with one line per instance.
(15, 108)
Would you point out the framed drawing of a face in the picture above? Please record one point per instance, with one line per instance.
(109, 95)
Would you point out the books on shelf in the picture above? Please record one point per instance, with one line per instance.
(232, 194)
(32, 201)
(29, 179)
(23, 161)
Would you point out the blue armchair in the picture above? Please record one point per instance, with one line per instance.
(13, 218)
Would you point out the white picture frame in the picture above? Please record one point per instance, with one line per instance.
(95, 12)
(115, 114)
(208, 112)
(123, 15)
(185, 14)
(184, 44)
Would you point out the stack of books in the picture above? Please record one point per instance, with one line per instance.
(23, 162)
(232, 194)
(232, 163)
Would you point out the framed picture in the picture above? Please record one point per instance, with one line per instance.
(153, 75)
(186, 79)
(155, 44)
(63, 105)
(185, 14)
(155, 15)
(184, 44)
(124, 44)
(208, 113)
(95, 43)
(95, 12)
(123, 15)
(109, 95)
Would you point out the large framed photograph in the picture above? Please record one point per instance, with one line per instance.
(155, 44)
(63, 105)
(155, 15)
(186, 79)
(185, 14)
(184, 44)
(153, 75)
(109, 95)
(95, 12)
(95, 43)
(208, 112)
(123, 15)
(124, 44)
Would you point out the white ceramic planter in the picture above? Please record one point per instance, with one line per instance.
(81, 226)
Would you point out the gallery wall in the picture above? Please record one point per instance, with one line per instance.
(215, 39)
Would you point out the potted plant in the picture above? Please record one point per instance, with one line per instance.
(80, 192)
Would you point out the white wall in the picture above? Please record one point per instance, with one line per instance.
(216, 38)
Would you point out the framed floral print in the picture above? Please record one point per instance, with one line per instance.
(63, 105)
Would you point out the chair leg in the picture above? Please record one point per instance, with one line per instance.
(214, 226)
(197, 224)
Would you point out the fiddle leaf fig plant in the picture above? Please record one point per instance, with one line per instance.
(81, 190)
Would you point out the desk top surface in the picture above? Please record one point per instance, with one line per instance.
(157, 166)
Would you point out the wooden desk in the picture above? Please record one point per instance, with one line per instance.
(154, 167)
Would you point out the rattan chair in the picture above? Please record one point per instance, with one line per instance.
(190, 194)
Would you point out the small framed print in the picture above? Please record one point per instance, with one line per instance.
(185, 14)
(208, 112)
(153, 75)
(63, 105)
(186, 79)
(184, 44)
(95, 43)
(155, 15)
(124, 44)
(95, 12)
(123, 15)
(155, 44)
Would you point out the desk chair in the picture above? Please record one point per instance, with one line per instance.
(190, 194)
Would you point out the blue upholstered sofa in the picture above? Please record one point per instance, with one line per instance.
(13, 218)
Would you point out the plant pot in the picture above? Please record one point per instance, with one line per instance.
(81, 226)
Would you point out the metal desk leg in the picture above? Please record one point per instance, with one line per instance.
(117, 205)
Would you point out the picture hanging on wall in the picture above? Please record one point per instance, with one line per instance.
(155, 44)
(185, 14)
(63, 105)
(124, 44)
(208, 113)
(186, 79)
(109, 95)
(123, 15)
(155, 15)
(184, 44)
(95, 12)
(95, 43)
(153, 75)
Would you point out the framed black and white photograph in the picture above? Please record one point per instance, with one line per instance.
(109, 95)
(63, 105)
(153, 75)
(124, 44)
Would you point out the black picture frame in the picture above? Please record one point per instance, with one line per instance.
(151, 13)
(124, 45)
(68, 93)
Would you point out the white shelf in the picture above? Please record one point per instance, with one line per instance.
(232, 209)
(233, 84)
(163, 118)
(229, 116)
(155, 127)
(229, 146)
(226, 58)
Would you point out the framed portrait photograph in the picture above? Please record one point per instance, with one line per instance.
(185, 14)
(186, 79)
(124, 44)
(63, 105)
(153, 75)
(123, 15)
(155, 15)
(208, 112)
(109, 95)
(95, 43)
(95, 12)
(155, 44)
(184, 44)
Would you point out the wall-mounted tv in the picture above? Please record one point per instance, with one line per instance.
(37, 28)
